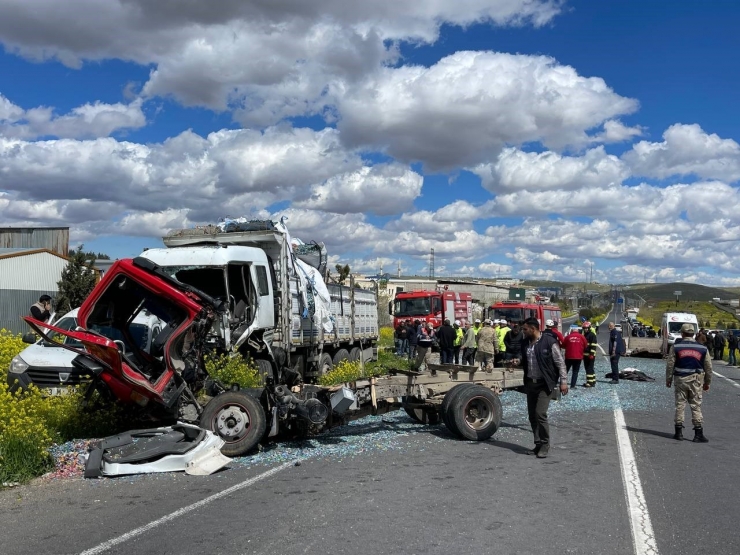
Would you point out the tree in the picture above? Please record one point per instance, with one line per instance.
(343, 272)
(720, 324)
(91, 255)
(78, 280)
(586, 313)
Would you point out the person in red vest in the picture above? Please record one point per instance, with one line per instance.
(575, 346)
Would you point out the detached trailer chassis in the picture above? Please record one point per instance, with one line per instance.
(465, 398)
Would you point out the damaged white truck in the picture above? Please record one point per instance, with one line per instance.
(242, 291)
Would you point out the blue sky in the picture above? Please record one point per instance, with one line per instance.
(527, 138)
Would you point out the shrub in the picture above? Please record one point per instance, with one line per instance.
(233, 369)
(343, 372)
(386, 338)
(30, 421)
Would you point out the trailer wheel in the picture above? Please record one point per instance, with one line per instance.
(444, 410)
(476, 413)
(238, 419)
(354, 354)
(340, 355)
(325, 364)
(422, 415)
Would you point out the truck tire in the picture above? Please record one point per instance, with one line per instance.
(264, 369)
(444, 408)
(340, 355)
(422, 415)
(476, 413)
(354, 354)
(325, 364)
(238, 419)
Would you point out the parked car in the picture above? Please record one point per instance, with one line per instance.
(47, 365)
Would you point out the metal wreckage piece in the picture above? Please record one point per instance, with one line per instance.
(177, 448)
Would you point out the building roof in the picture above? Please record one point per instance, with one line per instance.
(20, 251)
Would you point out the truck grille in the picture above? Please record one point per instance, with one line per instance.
(49, 377)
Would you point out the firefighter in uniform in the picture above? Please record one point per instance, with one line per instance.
(589, 355)
(689, 369)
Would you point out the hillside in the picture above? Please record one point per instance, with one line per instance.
(689, 292)
(705, 312)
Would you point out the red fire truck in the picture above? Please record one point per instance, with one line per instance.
(432, 306)
(517, 311)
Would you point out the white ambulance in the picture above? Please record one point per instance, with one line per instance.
(671, 327)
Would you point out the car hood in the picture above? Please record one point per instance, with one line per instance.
(39, 355)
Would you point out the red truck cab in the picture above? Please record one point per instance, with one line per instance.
(432, 306)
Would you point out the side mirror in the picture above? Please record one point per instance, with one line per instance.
(29, 338)
(390, 308)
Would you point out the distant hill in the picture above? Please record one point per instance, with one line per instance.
(689, 292)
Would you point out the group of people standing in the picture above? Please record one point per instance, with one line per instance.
(716, 341)
(485, 343)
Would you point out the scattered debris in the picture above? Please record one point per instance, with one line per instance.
(182, 447)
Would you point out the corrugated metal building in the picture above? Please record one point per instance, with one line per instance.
(25, 275)
(55, 239)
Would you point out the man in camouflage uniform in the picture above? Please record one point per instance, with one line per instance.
(487, 346)
(689, 369)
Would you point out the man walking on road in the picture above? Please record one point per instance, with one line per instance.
(575, 347)
(544, 372)
(689, 368)
(589, 355)
(616, 350)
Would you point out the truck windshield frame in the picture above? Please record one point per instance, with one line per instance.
(413, 306)
(513, 314)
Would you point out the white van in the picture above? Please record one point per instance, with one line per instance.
(671, 327)
(49, 366)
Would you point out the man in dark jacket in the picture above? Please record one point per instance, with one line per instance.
(616, 350)
(41, 310)
(544, 373)
(446, 337)
(412, 334)
(402, 342)
(732, 347)
(719, 345)
(513, 342)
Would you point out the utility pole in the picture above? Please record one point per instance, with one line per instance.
(431, 264)
(591, 277)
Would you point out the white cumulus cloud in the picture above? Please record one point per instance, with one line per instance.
(96, 119)
(686, 150)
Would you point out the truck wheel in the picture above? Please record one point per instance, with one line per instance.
(476, 412)
(444, 410)
(422, 415)
(340, 355)
(264, 369)
(354, 354)
(325, 364)
(238, 419)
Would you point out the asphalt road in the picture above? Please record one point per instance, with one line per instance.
(386, 485)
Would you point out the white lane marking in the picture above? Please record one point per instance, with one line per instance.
(105, 546)
(643, 537)
(731, 381)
